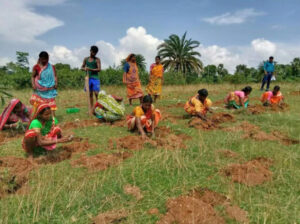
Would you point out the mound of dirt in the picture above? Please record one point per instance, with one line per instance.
(153, 211)
(196, 207)
(203, 125)
(238, 214)
(228, 153)
(110, 217)
(81, 124)
(164, 139)
(251, 173)
(244, 126)
(295, 93)
(134, 191)
(257, 109)
(100, 161)
(79, 145)
(221, 118)
(14, 174)
(281, 107)
(212, 123)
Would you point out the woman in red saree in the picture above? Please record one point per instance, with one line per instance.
(43, 132)
(132, 80)
(15, 115)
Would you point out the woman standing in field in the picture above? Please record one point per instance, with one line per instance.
(43, 132)
(132, 80)
(156, 79)
(238, 99)
(199, 105)
(15, 115)
(44, 83)
(274, 97)
(145, 118)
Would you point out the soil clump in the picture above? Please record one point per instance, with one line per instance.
(251, 173)
(110, 217)
(101, 161)
(212, 123)
(134, 191)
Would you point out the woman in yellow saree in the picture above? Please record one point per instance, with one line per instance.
(132, 80)
(156, 79)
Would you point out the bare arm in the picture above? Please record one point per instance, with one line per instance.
(83, 66)
(34, 74)
(55, 76)
(140, 128)
(44, 142)
(201, 116)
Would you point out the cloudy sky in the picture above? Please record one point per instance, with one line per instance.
(230, 31)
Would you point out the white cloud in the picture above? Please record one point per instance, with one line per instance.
(237, 17)
(4, 60)
(20, 23)
(135, 41)
(263, 47)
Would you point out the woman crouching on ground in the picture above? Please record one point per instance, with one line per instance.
(238, 99)
(43, 132)
(199, 105)
(145, 118)
(274, 97)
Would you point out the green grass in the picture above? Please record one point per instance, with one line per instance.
(60, 193)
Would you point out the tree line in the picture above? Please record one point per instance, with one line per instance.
(180, 59)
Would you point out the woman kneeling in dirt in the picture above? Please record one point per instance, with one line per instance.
(145, 118)
(238, 99)
(15, 116)
(199, 105)
(43, 132)
(274, 97)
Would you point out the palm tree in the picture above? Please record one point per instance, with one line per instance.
(140, 62)
(178, 54)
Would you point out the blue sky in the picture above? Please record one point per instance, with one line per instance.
(230, 31)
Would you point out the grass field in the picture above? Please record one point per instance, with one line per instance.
(61, 193)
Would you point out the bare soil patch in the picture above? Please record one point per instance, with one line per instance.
(238, 214)
(177, 105)
(79, 145)
(212, 123)
(14, 174)
(110, 217)
(101, 161)
(164, 139)
(251, 173)
(281, 107)
(134, 191)
(257, 109)
(153, 211)
(295, 93)
(196, 207)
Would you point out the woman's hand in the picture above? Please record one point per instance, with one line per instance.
(65, 139)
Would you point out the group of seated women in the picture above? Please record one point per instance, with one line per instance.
(43, 133)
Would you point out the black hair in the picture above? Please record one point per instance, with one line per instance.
(44, 110)
(130, 57)
(271, 57)
(44, 54)
(147, 99)
(157, 57)
(18, 105)
(94, 49)
(203, 92)
(276, 88)
(247, 89)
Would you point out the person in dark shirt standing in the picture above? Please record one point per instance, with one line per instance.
(92, 65)
(269, 69)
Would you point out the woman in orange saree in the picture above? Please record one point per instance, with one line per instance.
(132, 80)
(156, 79)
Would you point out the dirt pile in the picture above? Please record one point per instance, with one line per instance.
(197, 207)
(153, 211)
(80, 124)
(253, 132)
(212, 123)
(257, 109)
(164, 139)
(79, 145)
(101, 161)
(110, 217)
(251, 173)
(295, 93)
(238, 214)
(14, 174)
(134, 191)
(281, 107)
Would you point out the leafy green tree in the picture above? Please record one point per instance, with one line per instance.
(222, 71)
(140, 62)
(22, 60)
(296, 67)
(179, 55)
